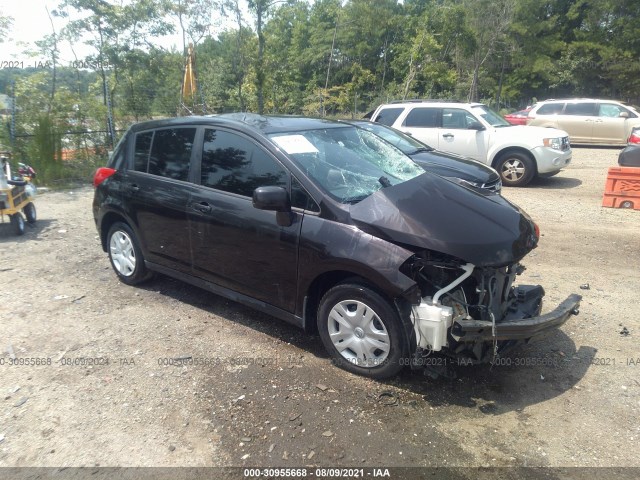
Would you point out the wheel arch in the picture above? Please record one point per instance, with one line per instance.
(107, 220)
(505, 151)
(327, 280)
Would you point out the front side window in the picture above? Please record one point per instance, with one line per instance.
(610, 110)
(348, 163)
(300, 198)
(234, 164)
(456, 118)
(423, 117)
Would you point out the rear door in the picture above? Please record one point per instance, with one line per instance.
(578, 120)
(235, 245)
(422, 123)
(157, 188)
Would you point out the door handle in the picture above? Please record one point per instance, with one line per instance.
(447, 135)
(202, 207)
(134, 187)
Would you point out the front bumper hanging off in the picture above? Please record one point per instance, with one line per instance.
(516, 329)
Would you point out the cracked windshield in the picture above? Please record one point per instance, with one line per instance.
(349, 163)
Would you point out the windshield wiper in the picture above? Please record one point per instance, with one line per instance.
(384, 181)
(421, 149)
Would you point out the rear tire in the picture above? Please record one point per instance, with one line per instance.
(30, 212)
(125, 255)
(17, 222)
(361, 331)
(516, 169)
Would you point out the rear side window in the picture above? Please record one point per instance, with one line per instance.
(550, 109)
(116, 160)
(388, 116)
(166, 153)
(580, 109)
(423, 117)
(141, 155)
(171, 153)
(236, 165)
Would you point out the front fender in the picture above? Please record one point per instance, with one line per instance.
(327, 246)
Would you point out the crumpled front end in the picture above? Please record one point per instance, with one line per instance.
(476, 313)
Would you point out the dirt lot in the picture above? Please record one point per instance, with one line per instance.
(254, 391)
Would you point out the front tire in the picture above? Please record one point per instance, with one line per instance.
(516, 169)
(125, 255)
(17, 222)
(361, 331)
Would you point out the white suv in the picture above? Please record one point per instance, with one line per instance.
(518, 153)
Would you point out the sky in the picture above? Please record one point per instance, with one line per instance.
(31, 23)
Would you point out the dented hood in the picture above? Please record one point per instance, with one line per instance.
(433, 213)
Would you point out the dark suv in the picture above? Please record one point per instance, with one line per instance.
(326, 226)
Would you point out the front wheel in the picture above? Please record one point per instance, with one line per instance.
(516, 169)
(361, 331)
(17, 222)
(125, 255)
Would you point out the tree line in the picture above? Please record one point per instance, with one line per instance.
(321, 58)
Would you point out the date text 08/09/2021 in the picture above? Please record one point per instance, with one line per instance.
(320, 472)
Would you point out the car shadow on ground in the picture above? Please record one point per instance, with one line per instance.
(530, 374)
(31, 231)
(554, 183)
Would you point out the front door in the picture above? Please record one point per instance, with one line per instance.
(234, 244)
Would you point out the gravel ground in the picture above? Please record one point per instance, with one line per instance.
(254, 391)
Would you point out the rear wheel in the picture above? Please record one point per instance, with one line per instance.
(626, 204)
(125, 255)
(17, 222)
(30, 212)
(516, 169)
(361, 331)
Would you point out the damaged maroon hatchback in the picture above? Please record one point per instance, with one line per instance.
(328, 227)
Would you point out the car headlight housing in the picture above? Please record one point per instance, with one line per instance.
(555, 143)
(495, 188)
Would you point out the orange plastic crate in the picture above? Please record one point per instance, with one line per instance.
(622, 189)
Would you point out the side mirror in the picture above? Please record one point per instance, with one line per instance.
(275, 199)
(624, 115)
(475, 126)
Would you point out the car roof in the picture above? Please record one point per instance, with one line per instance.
(578, 100)
(426, 103)
(264, 124)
